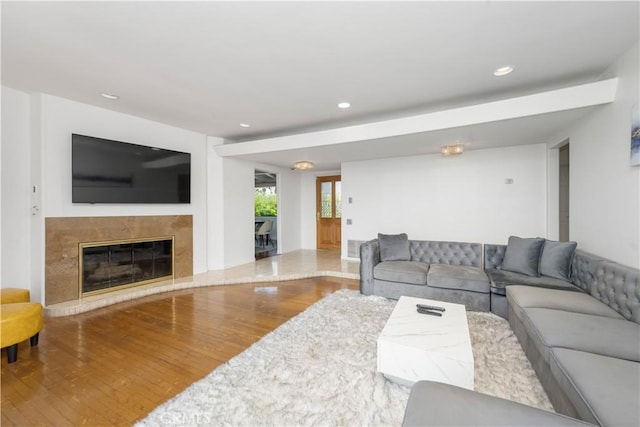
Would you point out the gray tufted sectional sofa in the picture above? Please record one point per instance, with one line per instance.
(583, 341)
(445, 271)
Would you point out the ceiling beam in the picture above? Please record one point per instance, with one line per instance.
(574, 97)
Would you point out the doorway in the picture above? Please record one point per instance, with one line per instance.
(563, 194)
(328, 212)
(266, 214)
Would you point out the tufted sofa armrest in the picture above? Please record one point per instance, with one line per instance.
(493, 256)
(451, 253)
(369, 258)
(618, 286)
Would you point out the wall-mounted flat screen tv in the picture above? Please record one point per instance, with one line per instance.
(106, 171)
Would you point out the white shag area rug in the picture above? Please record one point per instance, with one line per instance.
(319, 368)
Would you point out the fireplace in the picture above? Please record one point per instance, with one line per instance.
(64, 235)
(106, 266)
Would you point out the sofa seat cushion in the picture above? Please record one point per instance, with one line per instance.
(604, 390)
(606, 336)
(458, 277)
(576, 302)
(411, 272)
(500, 279)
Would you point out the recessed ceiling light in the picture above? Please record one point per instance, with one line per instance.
(245, 125)
(344, 105)
(109, 95)
(503, 71)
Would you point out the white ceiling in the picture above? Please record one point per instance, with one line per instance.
(283, 66)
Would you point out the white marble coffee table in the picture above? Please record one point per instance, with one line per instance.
(414, 346)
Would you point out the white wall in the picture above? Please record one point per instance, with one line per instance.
(36, 147)
(459, 198)
(604, 188)
(231, 210)
(62, 117)
(16, 190)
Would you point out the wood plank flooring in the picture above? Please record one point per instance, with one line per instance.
(114, 365)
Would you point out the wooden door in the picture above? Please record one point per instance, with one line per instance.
(328, 212)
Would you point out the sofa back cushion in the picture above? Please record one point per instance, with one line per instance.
(493, 256)
(394, 247)
(452, 253)
(618, 286)
(523, 255)
(555, 259)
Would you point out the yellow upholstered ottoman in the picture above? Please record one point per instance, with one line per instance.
(19, 321)
(12, 295)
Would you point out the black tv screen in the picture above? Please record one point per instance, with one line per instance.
(106, 171)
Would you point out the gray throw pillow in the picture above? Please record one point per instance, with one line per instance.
(523, 255)
(394, 247)
(555, 260)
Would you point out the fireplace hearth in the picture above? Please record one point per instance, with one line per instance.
(106, 266)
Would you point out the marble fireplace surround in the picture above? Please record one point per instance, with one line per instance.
(63, 235)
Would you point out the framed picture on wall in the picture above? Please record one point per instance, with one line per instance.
(635, 136)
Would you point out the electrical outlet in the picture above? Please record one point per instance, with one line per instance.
(349, 222)
(508, 181)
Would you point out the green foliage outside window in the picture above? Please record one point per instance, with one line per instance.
(265, 202)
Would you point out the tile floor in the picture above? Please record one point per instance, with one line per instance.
(300, 264)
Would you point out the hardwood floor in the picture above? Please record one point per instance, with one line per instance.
(114, 365)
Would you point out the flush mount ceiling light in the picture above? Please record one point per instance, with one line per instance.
(245, 125)
(109, 95)
(303, 165)
(344, 105)
(449, 150)
(503, 71)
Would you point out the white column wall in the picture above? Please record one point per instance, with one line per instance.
(604, 188)
(308, 210)
(215, 206)
(16, 190)
(238, 205)
(37, 222)
(289, 211)
(460, 198)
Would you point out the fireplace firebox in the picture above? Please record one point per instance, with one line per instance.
(107, 266)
